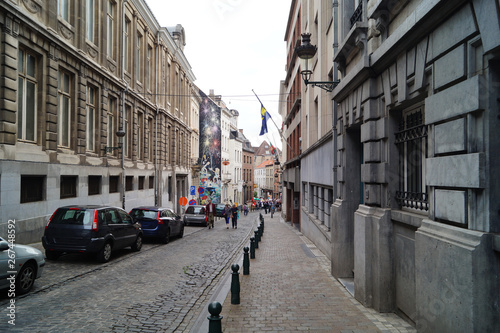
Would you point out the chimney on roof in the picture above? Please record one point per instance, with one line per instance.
(241, 130)
(211, 93)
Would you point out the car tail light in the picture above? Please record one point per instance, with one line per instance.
(95, 224)
(50, 220)
(160, 221)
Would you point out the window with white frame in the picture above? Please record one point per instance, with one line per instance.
(140, 136)
(112, 116)
(127, 44)
(111, 29)
(63, 7)
(150, 73)
(151, 138)
(411, 140)
(27, 96)
(91, 118)
(138, 58)
(90, 21)
(64, 109)
(127, 139)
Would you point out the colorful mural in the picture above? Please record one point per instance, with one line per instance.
(210, 150)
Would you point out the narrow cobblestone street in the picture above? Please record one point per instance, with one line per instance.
(159, 289)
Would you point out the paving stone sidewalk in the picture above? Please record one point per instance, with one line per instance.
(290, 289)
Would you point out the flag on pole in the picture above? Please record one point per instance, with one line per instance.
(265, 116)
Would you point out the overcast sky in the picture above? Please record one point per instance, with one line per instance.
(234, 46)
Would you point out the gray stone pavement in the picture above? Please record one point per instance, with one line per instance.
(290, 289)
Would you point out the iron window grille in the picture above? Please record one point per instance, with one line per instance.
(411, 141)
(357, 16)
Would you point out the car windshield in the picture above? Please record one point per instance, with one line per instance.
(195, 210)
(142, 213)
(73, 216)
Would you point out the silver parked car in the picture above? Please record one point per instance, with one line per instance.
(195, 215)
(19, 267)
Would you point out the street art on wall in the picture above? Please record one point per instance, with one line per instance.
(210, 149)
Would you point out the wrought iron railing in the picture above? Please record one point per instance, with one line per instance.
(411, 141)
(357, 16)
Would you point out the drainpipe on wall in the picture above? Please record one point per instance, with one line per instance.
(123, 103)
(157, 70)
(334, 110)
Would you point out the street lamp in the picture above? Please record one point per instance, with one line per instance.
(120, 133)
(307, 51)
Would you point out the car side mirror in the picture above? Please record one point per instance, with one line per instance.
(4, 245)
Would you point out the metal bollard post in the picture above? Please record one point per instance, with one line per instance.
(246, 261)
(235, 285)
(256, 232)
(260, 232)
(215, 324)
(262, 226)
(252, 247)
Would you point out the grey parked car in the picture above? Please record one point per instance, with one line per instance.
(27, 263)
(96, 230)
(195, 215)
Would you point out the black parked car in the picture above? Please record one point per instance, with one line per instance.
(157, 222)
(90, 229)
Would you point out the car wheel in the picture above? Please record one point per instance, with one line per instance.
(105, 253)
(166, 237)
(52, 255)
(25, 278)
(137, 246)
(181, 234)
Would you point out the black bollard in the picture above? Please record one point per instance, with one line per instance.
(259, 229)
(256, 232)
(235, 285)
(252, 247)
(262, 226)
(215, 321)
(246, 262)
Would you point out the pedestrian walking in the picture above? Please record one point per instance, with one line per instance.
(273, 209)
(227, 214)
(210, 213)
(234, 216)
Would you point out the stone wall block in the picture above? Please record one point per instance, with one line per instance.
(371, 109)
(451, 205)
(450, 67)
(466, 171)
(9, 82)
(371, 151)
(450, 137)
(452, 102)
(455, 274)
(374, 172)
(373, 130)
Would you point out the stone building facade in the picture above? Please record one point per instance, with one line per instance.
(73, 75)
(416, 220)
(291, 113)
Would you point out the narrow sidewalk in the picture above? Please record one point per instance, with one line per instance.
(290, 289)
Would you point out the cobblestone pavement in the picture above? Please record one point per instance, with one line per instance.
(159, 289)
(290, 289)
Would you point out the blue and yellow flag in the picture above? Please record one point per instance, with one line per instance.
(265, 116)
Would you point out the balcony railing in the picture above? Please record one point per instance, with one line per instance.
(357, 16)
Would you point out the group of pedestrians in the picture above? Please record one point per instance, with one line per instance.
(229, 213)
(233, 214)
